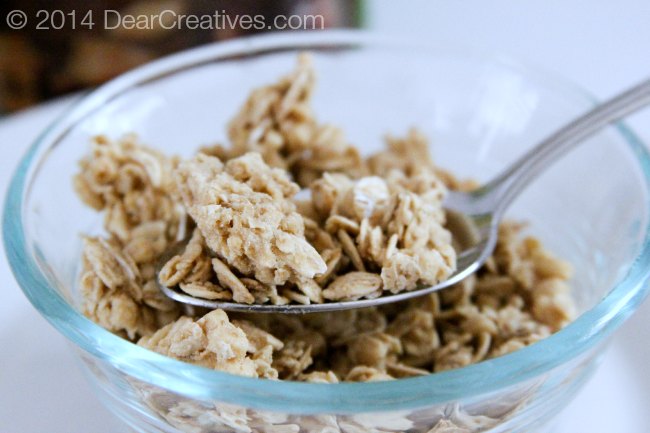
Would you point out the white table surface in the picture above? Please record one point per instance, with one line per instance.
(42, 388)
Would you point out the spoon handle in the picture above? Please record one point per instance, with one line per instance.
(502, 190)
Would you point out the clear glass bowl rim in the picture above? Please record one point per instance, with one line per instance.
(197, 382)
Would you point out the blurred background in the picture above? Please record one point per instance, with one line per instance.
(600, 44)
(69, 45)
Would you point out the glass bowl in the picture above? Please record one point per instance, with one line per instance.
(480, 110)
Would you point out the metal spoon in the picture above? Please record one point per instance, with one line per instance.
(474, 217)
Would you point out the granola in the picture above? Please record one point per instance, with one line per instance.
(244, 213)
(359, 228)
(214, 342)
(131, 183)
(277, 122)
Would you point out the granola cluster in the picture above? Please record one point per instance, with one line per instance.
(391, 230)
(291, 213)
(132, 185)
(277, 121)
